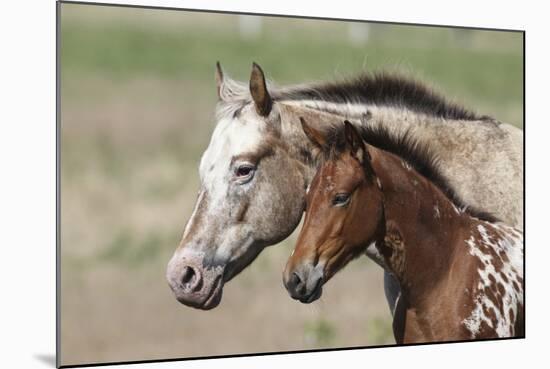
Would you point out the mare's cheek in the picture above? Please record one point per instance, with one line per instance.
(277, 200)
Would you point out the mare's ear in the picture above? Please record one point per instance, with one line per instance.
(314, 135)
(355, 143)
(258, 91)
(219, 80)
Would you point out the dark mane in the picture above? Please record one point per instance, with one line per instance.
(386, 90)
(408, 149)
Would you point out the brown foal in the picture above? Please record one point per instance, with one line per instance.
(461, 272)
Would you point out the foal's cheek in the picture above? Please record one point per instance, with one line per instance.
(361, 223)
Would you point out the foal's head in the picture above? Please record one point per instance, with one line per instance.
(344, 212)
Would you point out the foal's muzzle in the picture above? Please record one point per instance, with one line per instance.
(304, 284)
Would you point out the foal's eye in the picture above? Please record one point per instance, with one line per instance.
(244, 171)
(341, 199)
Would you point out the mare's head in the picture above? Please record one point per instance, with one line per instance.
(344, 212)
(251, 193)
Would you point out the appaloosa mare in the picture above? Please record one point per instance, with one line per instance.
(460, 270)
(258, 165)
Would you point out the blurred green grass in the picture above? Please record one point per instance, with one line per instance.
(483, 69)
(319, 332)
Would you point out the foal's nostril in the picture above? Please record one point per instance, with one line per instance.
(297, 284)
(295, 279)
(189, 279)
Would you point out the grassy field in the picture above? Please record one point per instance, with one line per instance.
(137, 110)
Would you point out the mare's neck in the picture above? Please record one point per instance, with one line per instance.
(323, 115)
(397, 119)
(422, 225)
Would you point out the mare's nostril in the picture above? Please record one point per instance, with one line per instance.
(188, 275)
(189, 278)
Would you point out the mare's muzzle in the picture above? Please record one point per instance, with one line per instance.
(194, 284)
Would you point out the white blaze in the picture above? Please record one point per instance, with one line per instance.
(193, 215)
(231, 137)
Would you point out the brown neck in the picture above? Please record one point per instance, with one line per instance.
(422, 225)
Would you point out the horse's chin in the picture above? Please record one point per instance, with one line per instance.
(207, 300)
(214, 298)
(314, 296)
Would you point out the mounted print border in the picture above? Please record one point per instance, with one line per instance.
(173, 178)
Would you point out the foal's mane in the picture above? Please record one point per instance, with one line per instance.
(406, 147)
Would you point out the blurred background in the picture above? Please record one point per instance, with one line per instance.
(137, 110)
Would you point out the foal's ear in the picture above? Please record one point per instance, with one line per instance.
(258, 91)
(355, 142)
(314, 135)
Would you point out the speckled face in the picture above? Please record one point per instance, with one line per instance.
(251, 196)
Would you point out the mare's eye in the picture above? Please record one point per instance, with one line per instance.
(341, 199)
(244, 171)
